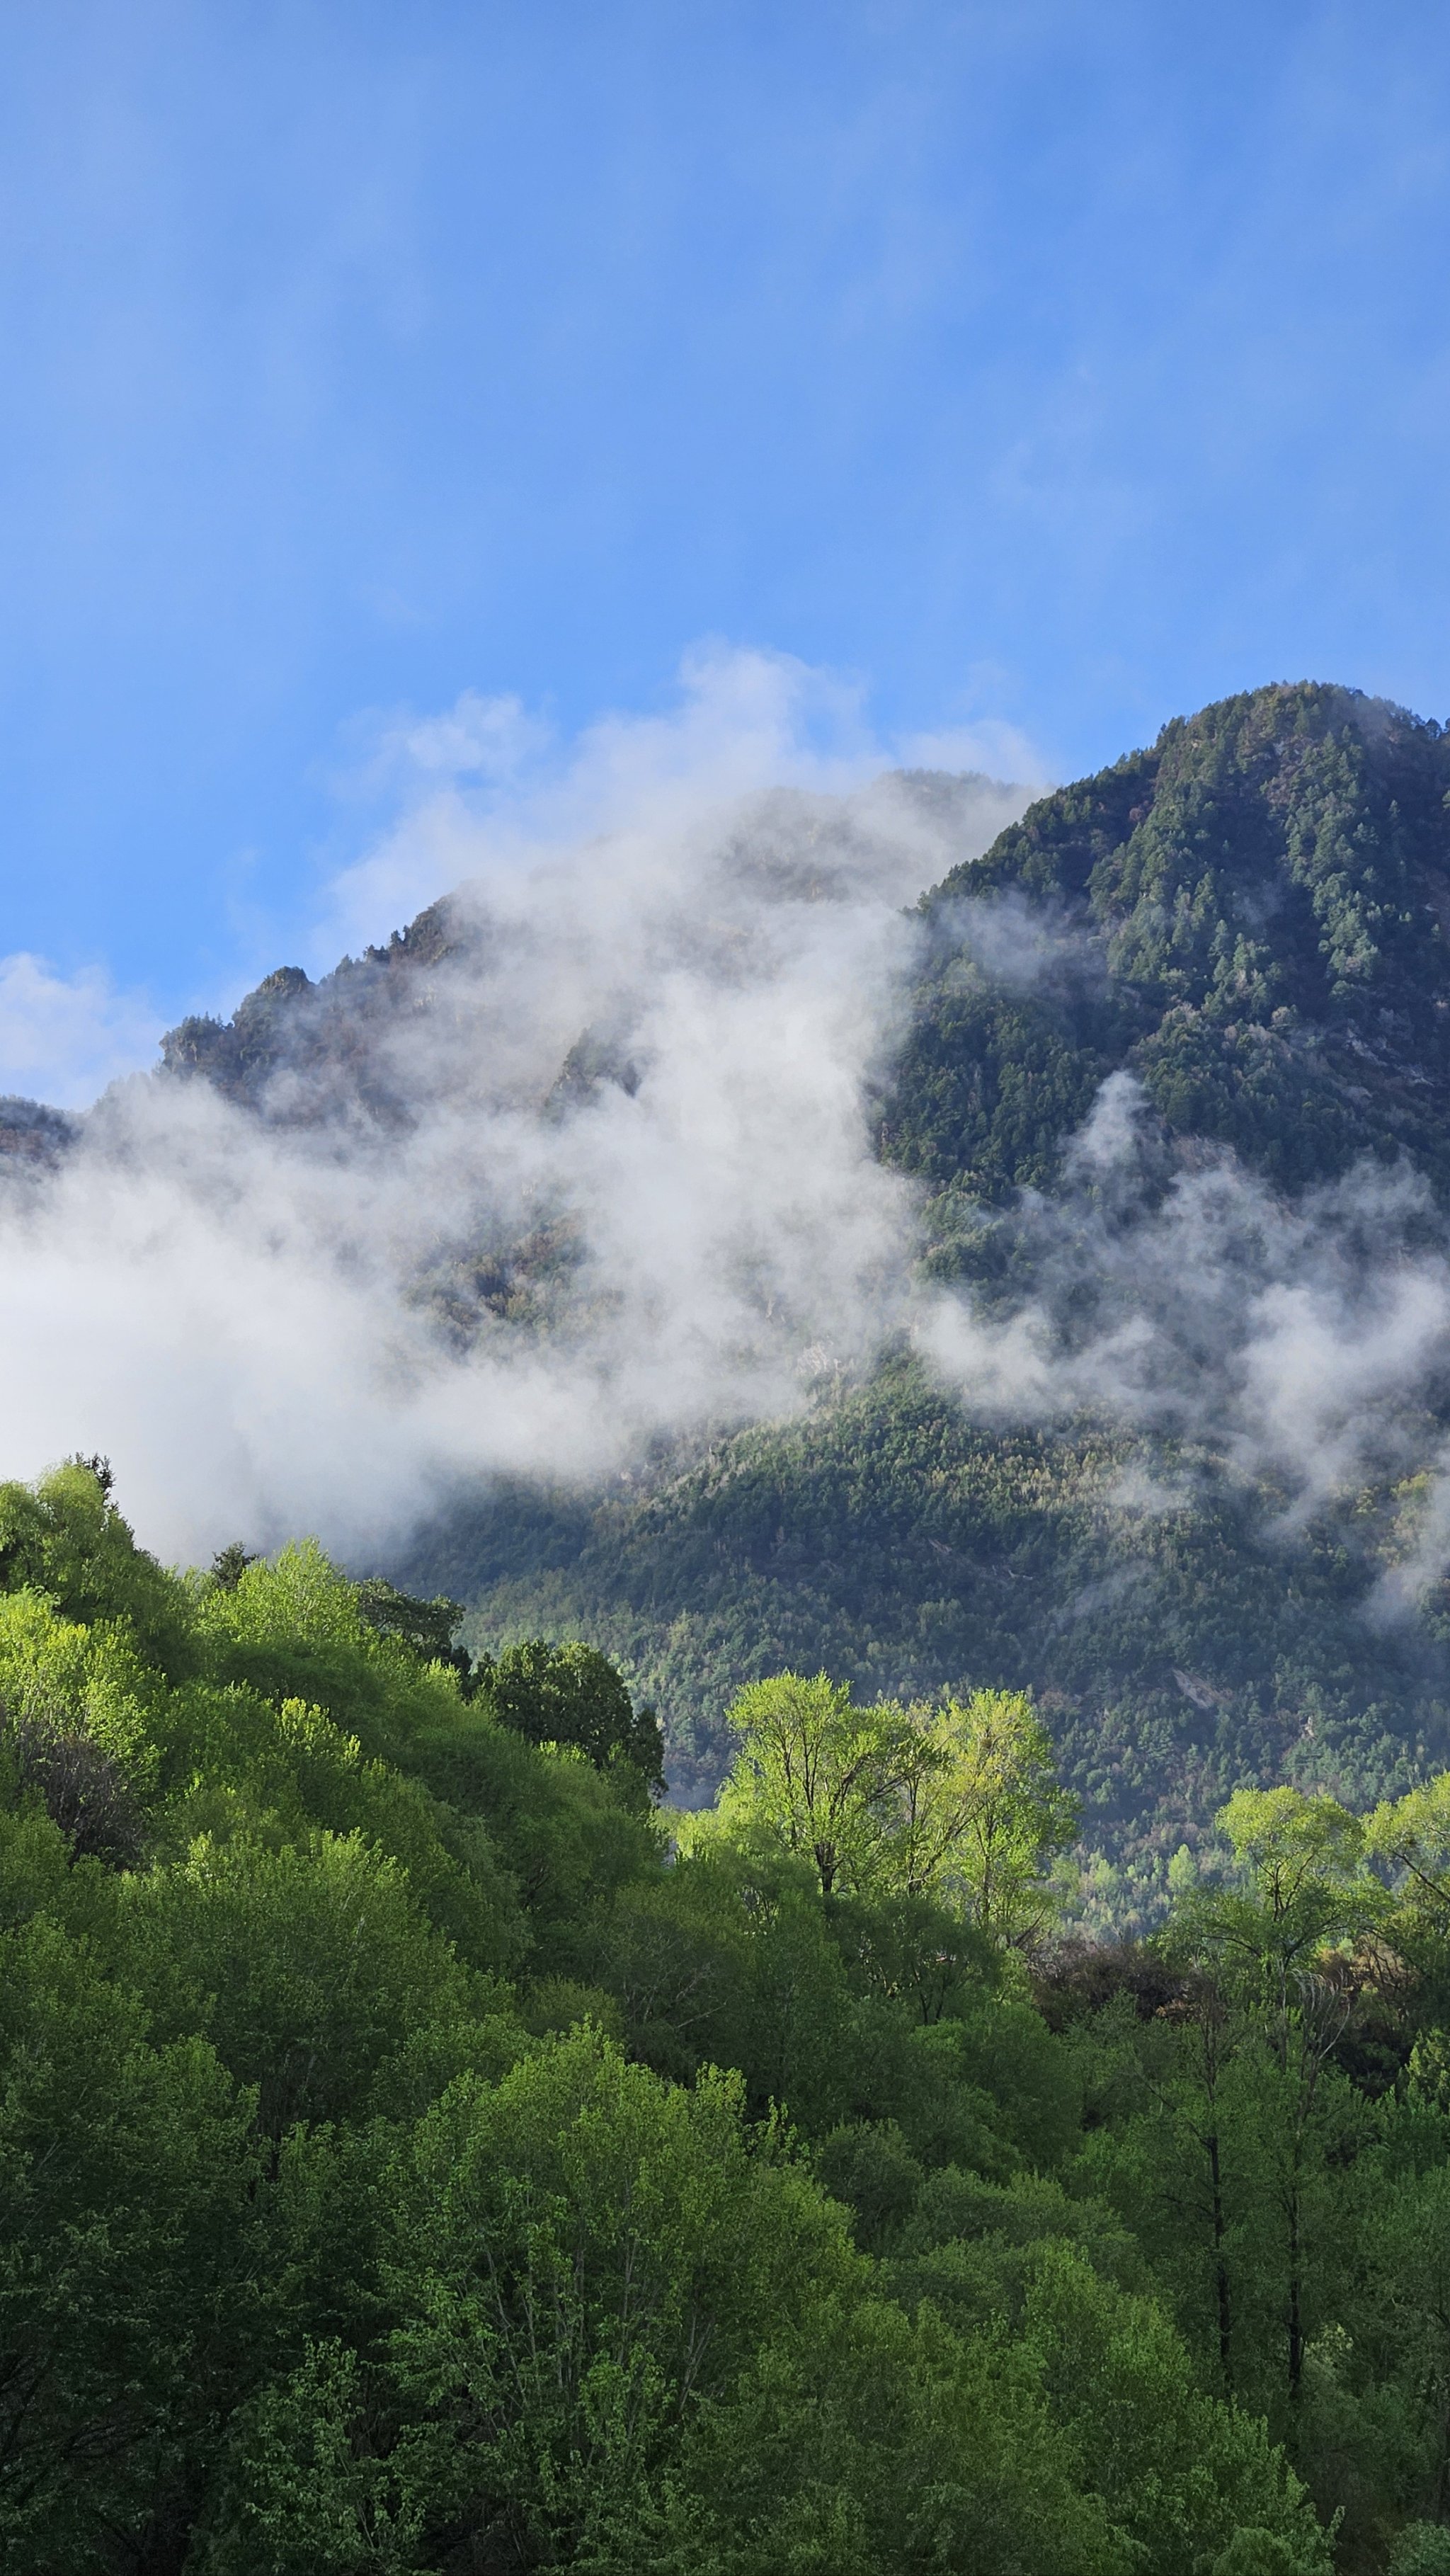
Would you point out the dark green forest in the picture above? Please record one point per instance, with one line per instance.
(894, 1541)
(419, 2150)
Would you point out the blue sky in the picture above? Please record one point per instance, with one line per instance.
(1043, 366)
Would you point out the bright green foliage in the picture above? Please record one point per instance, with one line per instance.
(819, 1773)
(1411, 1836)
(93, 1680)
(371, 2196)
(65, 1538)
(957, 1805)
(1301, 1888)
(982, 1814)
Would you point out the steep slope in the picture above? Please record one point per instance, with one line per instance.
(1252, 916)
(1127, 1151)
(1247, 924)
(1178, 1642)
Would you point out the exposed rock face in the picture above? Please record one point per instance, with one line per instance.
(299, 1050)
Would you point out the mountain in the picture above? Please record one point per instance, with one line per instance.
(1158, 1417)
(1261, 905)
(1247, 923)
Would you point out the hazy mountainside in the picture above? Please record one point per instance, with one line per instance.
(296, 1050)
(294, 1047)
(1252, 916)
(31, 1133)
(1151, 1243)
(1246, 921)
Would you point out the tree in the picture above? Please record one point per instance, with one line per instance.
(571, 1694)
(310, 1966)
(83, 1788)
(1411, 1836)
(1277, 1960)
(1301, 1883)
(1183, 2475)
(959, 1803)
(426, 1628)
(230, 1563)
(982, 1813)
(824, 1776)
(130, 2280)
(583, 2255)
(64, 1537)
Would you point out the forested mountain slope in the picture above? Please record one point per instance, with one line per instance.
(1174, 1653)
(1247, 922)
(415, 2157)
(1150, 1103)
(1252, 916)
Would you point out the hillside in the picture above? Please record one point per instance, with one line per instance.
(1252, 916)
(418, 2158)
(1041, 1280)
(1249, 922)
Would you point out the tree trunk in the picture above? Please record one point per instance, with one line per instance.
(1220, 2270)
(1296, 2323)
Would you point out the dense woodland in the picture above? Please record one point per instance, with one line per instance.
(420, 2150)
(892, 1540)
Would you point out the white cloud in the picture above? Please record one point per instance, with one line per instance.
(244, 1312)
(238, 1310)
(1001, 750)
(63, 1038)
(486, 788)
(1307, 1342)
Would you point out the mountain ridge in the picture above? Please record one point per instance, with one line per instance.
(1170, 1080)
(1248, 924)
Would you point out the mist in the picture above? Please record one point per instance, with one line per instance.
(602, 1172)
(1303, 1345)
(586, 1165)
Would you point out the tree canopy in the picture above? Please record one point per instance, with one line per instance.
(418, 2152)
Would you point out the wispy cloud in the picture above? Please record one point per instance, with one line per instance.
(64, 1037)
(285, 1320)
(430, 1252)
(1308, 1342)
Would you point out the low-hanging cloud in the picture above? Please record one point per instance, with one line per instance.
(596, 1167)
(1306, 1343)
(636, 1090)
